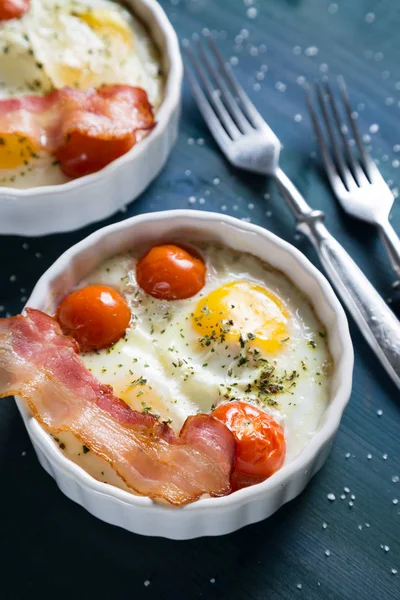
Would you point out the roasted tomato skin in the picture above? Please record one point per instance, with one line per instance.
(96, 316)
(83, 154)
(13, 9)
(171, 272)
(260, 442)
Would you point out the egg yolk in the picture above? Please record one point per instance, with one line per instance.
(16, 150)
(108, 25)
(242, 311)
(143, 397)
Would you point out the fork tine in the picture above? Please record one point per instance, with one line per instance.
(214, 96)
(252, 113)
(365, 158)
(232, 104)
(357, 171)
(329, 165)
(208, 113)
(343, 171)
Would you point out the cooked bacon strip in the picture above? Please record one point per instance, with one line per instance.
(40, 364)
(83, 130)
(13, 9)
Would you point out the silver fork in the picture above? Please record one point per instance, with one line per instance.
(355, 180)
(248, 142)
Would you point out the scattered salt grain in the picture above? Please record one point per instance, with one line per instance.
(370, 17)
(384, 456)
(374, 128)
(343, 497)
(301, 80)
(386, 548)
(367, 525)
(25, 246)
(324, 525)
(252, 12)
(331, 497)
(369, 456)
(216, 181)
(190, 141)
(346, 489)
(395, 501)
(353, 497)
(389, 101)
(298, 118)
(396, 163)
(327, 552)
(146, 583)
(23, 453)
(268, 213)
(311, 51)
(202, 201)
(360, 527)
(395, 479)
(223, 207)
(347, 455)
(333, 8)
(192, 199)
(212, 580)
(299, 586)
(13, 278)
(379, 412)
(394, 571)
(351, 504)
(280, 86)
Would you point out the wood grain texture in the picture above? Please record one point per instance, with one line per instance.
(51, 544)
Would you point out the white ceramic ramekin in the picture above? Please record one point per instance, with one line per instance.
(71, 205)
(211, 516)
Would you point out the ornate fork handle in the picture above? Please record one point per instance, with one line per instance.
(377, 322)
(392, 245)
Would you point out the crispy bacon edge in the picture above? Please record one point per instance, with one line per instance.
(83, 130)
(35, 343)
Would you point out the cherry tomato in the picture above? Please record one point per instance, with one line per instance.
(82, 154)
(13, 9)
(96, 316)
(171, 272)
(260, 442)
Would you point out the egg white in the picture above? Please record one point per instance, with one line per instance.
(162, 348)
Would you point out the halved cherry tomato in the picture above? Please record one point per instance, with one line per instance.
(96, 316)
(171, 272)
(82, 154)
(13, 9)
(260, 442)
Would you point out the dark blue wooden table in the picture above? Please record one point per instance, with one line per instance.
(312, 548)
